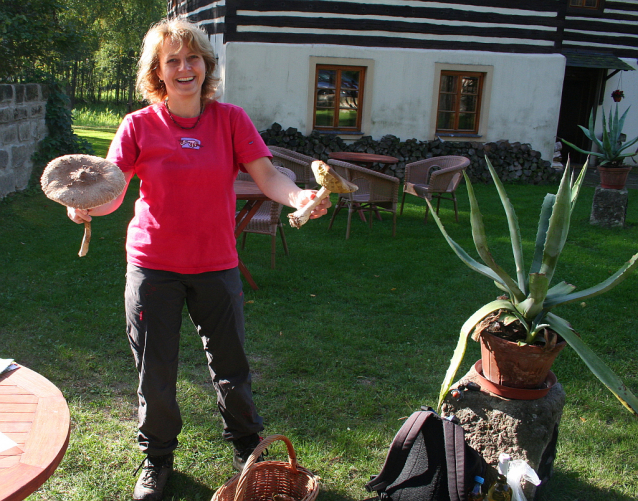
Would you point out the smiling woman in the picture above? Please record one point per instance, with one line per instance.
(186, 149)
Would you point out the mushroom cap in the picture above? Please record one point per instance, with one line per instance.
(327, 177)
(82, 181)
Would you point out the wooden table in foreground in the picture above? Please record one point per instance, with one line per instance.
(35, 415)
(249, 191)
(364, 159)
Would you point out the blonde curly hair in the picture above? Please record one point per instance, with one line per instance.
(181, 31)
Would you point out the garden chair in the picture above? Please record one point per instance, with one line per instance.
(296, 162)
(436, 177)
(267, 219)
(377, 192)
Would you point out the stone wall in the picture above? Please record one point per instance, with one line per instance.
(22, 127)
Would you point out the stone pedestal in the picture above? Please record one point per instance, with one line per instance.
(609, 207)
(525, 429)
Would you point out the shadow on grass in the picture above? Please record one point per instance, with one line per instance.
(566, 486)
(183, 487)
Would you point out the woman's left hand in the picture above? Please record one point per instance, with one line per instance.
(320, 210)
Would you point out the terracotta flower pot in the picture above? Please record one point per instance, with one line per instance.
(508, 364)
(614, 178)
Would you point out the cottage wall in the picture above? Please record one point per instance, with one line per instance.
(22, 127)
(271, 82)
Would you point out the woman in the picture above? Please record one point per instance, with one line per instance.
(186, 148)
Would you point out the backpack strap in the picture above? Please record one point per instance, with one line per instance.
(455, 459)
(399, 451)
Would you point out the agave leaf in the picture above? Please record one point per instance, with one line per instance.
(512, 222)
(533, 305)
(608, 144)
(560, 289)
(628, 144)
(577, 148)
(579, 182)
(604, 286)
(558, 227)
(480, 242)
(459, 351)
(595, 364)
(464, 256)
(541, 233)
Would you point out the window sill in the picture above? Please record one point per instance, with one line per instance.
(456, 134)
(338, 132)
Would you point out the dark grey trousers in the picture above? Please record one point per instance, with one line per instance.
(154, 302)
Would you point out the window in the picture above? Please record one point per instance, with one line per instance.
(586, 4)
(338, 97)
(459, 102)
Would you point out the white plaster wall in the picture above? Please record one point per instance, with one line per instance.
(270, 81)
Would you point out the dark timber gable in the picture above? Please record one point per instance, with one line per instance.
(540, 26)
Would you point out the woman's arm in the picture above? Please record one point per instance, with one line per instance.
(281, 188)
(81, 215)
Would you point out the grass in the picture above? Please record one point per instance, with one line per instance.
(345, 338)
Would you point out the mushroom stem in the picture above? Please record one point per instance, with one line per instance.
(87, 238)
(301, 216)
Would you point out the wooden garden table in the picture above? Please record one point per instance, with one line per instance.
(35, 415)
(254, 197)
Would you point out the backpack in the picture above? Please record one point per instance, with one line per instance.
(429, 460)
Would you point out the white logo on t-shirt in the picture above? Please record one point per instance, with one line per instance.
(189, 142)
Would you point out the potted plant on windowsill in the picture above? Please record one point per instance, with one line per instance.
(525, 311)
(611, 150)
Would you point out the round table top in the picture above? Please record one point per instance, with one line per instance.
(35, 415)
(354, 156)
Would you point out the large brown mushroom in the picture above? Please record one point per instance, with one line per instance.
(82, 182)
(330, 182)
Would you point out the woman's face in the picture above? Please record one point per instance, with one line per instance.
(182, 70)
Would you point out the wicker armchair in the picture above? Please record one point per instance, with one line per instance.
(296, 162)
(377, 192)
(436, 177)
(267, 219)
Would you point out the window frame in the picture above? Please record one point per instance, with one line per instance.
(458, 95)
(596, 7)
(339, 68)
(485, 99)
(583, 10)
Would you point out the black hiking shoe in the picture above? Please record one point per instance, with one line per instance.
(244, 447)
(151, 482)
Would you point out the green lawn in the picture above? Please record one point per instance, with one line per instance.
(346, 338)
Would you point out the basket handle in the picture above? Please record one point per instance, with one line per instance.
(243, 479)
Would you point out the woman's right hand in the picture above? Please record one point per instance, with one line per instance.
(78, 216)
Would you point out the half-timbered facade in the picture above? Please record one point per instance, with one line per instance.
(478, 69)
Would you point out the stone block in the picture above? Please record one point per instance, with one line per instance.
(19, 156)
(7, 183)
(6, 115)
(525, 429)
(37, 110)
(24, 132)
(32, 92)
(4, 160)
(6, 93)
(19, 90)
(8, 134)
(609, 207)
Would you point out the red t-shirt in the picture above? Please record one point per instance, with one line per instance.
(185, 216)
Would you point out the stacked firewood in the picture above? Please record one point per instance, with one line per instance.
(514, 162)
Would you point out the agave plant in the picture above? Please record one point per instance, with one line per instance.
(610, 149)
(529, 300)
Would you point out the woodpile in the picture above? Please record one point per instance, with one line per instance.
(514, 162)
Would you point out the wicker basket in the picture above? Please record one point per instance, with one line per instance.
(270, 480)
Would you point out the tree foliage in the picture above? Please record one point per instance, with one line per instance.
(89, 46)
